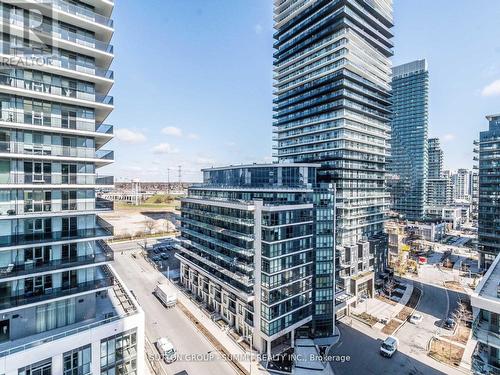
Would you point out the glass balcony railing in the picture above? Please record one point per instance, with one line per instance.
(104, 204)
(104, 129)
(51, 293)
(47, 237)
(55, 150)
(105, 180)
(55, 60)
(103, 253)
(53, 30)
(78, 11)
(46, 88)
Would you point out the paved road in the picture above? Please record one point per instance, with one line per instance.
(139, 276)
(362, 344)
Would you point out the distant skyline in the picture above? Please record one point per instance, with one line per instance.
(194, 80)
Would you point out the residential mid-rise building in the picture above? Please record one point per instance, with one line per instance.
(485, 301)
(439, 188)
(257, 248)
(332, 106)
(63, 310)
(409, 128)
(462, 185)
(474, 193)
(489, 192)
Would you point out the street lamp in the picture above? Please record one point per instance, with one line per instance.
(250, 336)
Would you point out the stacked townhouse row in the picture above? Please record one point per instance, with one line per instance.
(257, 251)
(62, 308)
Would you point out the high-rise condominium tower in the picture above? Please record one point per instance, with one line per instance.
(332, 80)
(62, 308)
(439, 189)
(257, 248)
(410, 92)
(489, 191)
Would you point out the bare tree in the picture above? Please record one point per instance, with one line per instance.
(149, 224)
(462, 312)
(390, 287)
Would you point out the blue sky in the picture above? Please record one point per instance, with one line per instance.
(194, 80)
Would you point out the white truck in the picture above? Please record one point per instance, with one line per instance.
(168, 299)
(166, 350)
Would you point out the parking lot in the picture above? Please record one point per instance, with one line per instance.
(162, 255)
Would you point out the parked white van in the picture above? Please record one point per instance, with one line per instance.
(166, 350)
(389, 346)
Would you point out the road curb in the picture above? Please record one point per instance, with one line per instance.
(414, 309)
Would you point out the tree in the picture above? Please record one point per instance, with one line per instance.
(149, 224)
(462, 312)
(390, 287)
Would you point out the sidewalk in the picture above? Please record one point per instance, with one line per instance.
(240, 355)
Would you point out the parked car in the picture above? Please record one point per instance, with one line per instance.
(156, 258)
(449, 323)
(156, 250)
(166, 350)
(389, 346)
(164, 256)
(416, 318)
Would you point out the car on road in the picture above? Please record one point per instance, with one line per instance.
(449, 323)
(166, 350)
(164, 256)
(389, 346)
(416, 318)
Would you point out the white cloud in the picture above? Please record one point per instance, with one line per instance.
(258, 28)
(205, 161)
(449, 137)
(493, 89)
(193, 136)
(129, 136)
(230, 144)
(165, 148)
(172, 130)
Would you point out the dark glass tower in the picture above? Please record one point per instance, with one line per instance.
(332, 106)
(410, 93)
(489, 193)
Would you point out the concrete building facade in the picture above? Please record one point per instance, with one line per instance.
(63, 310)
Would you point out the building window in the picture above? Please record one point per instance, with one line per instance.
(55, 314)
(39, 368)
(119, 353)
(77, 361)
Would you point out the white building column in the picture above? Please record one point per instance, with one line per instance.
(292, 338)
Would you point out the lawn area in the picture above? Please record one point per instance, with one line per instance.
(159, 202)
(446, 352)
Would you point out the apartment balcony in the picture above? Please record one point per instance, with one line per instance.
(108, 181)
(54, 180)
(41, 295)
(482, 332)
(102, 204)
(481, 364)
(101, 231)
(76, 11)
(102, 103)
(103, 254)
(57, 36)
(43, 151)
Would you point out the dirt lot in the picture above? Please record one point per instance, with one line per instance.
(390, 327)
(446, 352)
(134, 221)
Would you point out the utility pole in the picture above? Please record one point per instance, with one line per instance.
(168, 180)
(180, 177)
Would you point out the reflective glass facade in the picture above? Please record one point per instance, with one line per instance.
(409, 150)
(489, 192)
(332, 89)
(257, 247)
